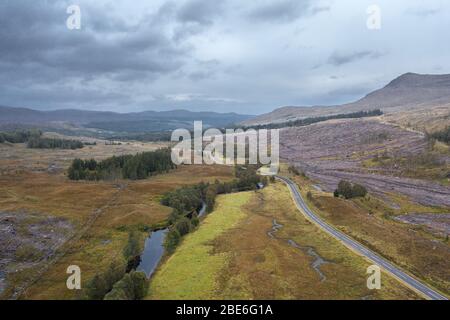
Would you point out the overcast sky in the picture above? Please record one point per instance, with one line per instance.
(231, 55)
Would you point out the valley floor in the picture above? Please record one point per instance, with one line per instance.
(256, 245)
(48, 222)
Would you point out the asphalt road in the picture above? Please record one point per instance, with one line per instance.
(425, 290)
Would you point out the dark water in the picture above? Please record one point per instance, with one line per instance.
(153, 251)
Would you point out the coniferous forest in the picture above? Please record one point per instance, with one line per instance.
(133, 167)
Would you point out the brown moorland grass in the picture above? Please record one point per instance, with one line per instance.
(371, 222)
(277, 270)
(17, 157)
(101, 212)
(407, 246)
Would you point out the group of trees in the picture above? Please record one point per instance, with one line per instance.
(47, 143)
(312, 120)
(293, 170)
(187, 201)
(102, 283)
(132, 251)
(133, 286)
(349, 190)
(120, 281)
(19, 136)
(443, 135)
(145, 137)
(133, 167)
(34, 140)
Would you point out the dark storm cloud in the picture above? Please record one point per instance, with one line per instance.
(38, 49)
(100, 49)
(228, 55)
(338, 59)
(284, 11)
(200, 11)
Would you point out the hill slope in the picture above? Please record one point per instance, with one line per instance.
(407, 92)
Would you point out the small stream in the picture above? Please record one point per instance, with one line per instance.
(154, 249)
(275, 228)
(317, 263)
(318, 260)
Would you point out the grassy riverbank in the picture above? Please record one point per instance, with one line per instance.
(191, 272)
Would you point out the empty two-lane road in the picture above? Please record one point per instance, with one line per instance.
(421, 288)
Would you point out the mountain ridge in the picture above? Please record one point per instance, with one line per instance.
(21, 115)
(405, 93)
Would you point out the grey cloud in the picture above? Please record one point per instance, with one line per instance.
(101, 20)
(199, 11)
(38, 52)
(423, 12)
(205, 70)
(131, 55)
(84, 51)
(184, 31)
(63, 96)
(285, 11)
(36, 42)
(338, 59)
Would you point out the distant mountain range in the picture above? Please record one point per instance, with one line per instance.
(412, 93)
(127, 122)
(408, 92)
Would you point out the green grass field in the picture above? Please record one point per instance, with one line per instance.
(192, 271)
